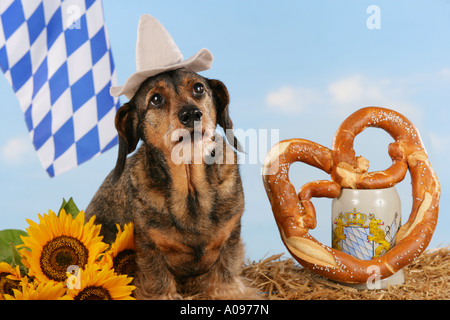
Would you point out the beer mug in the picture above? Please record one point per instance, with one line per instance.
(365, 224)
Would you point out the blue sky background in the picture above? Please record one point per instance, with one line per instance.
(300, 67)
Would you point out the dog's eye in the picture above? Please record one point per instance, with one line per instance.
(199, 88)
(156, 99)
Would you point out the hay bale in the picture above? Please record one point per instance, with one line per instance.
(283, 279)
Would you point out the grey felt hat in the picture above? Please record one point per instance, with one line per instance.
(156, 52)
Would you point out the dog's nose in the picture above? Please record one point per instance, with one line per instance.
(188, 115)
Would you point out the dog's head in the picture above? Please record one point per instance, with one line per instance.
(170, 108)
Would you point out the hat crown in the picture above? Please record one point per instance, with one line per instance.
(156, 52)
(155, 46)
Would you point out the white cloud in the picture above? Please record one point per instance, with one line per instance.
(347, 90)
(445, 73)
(291, 100)
(17, 150)
(283, 98)
(439, 143)
(344, 96)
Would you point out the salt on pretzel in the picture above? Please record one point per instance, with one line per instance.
(295, 214)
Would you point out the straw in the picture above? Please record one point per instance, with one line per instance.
(280, 277)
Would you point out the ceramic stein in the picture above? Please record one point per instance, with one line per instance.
(365, 224)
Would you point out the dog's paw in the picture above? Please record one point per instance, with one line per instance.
(145, 291)
(140, 295)
(169, 296)
(237, 290)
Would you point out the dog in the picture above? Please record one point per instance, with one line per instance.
(186, 214)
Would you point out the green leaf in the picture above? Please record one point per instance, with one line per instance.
(16, 258)
(8, 240)
(70, 207)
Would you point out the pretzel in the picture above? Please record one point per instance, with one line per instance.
(295, 214)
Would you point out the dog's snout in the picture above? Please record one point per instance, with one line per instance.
(188, 115)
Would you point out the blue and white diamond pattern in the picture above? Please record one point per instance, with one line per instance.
(356, 243)
(57, 57)
(393, 230)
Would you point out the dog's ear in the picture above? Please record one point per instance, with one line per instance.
(222, 99)
(127, 126)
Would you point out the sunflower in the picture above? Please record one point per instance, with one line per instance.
(97, 283)
(9, 279)
(49, 290)
(122, 254)
(59, 242)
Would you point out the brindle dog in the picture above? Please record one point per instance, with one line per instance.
(187, 214)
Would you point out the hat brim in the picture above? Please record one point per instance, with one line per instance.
(201, 61)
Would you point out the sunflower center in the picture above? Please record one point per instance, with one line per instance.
(7, 285)
(60, 253)
(93, 293)
(125, 262)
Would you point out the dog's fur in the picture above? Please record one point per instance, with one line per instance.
(187, 216)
